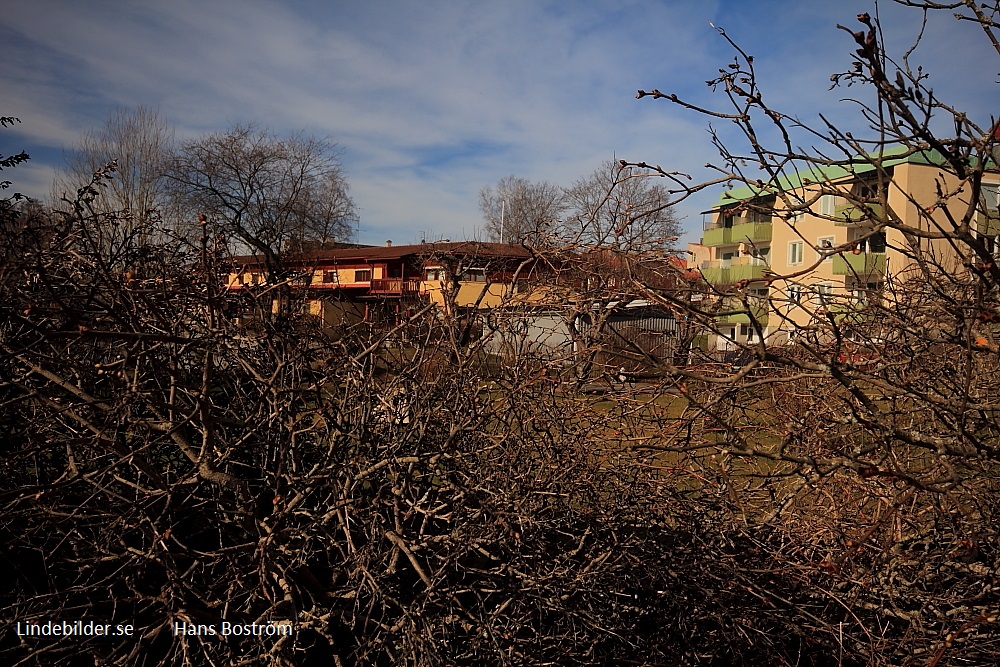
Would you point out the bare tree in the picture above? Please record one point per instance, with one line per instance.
(517, 210)
(878, 406)
(139, 143)
(267, 192)
(10, 161)
(621, 207)
(829, 499)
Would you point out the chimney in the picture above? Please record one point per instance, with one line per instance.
(388, 244)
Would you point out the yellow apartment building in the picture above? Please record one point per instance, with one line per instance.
(830, 240)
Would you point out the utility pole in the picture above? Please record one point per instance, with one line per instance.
(503, 206)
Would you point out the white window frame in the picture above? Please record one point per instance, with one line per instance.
(758, 256)
(796, 200)
(832, 240)
(823, 291)
(796, 254)
(827, 204)
(436, 273)
(990, 193)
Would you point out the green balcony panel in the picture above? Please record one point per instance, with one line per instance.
(855, 312)
(849, 214)
(864, 264)
(759, 316)
(746, 272)
(716, 275)
(755, 232)
(988, 224)
(752, 231)
(718, 236)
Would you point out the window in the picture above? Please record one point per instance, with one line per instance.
(473, 276)
(795, 293)
(876, 242)
(827, 204)
(797, 206)
(825, 244)
(795, 252)
(363, 276)
(990, 193)
(395, 270)
(437, 273)
(823, 292)
(329, 276)
(748, 333)
(758, 256)
(866, 190)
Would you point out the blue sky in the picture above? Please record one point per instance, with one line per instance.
(432, 100)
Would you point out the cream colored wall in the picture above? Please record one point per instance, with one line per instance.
(493, 294)
(921, 183)
(434, 289)
(468, 293)
(808, 230)
(239, 279)
(913, 187)
(344, 276)
(697, 254)
(335, 313)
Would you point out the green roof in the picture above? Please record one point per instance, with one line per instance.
(826, 173)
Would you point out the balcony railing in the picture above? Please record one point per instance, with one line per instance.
(739, 233)
(850, 213)
(865, 264)
(727, 272)
(739, 314)
(988, 224)
(394, 286)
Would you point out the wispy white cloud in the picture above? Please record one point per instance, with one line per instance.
(430, 101)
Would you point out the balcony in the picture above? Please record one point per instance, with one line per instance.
(728, 272)
(739, 314)
(741, 232)
(988, 224)
(850, 213)
(865, 264)
(394, 287)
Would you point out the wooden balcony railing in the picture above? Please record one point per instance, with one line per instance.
(394, 286)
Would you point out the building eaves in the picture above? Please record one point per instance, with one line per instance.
(826, 173)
